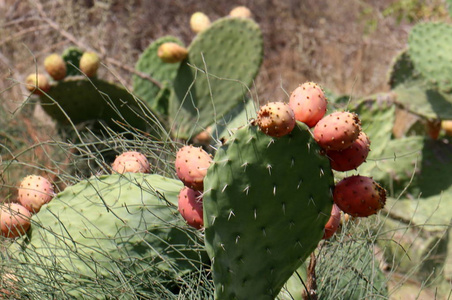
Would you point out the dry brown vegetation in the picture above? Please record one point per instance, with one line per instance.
(345, 45)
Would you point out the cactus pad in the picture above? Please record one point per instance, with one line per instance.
(402, 70)
(431, 51)
(222, 63)
(266, 204)
(72, 57)
(83, 100)
(150, 64)
(106, 230)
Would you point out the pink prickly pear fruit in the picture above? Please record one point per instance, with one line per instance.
(172, 52)
(359, 196)
(309, 103)
(240, 12)
(191, 166)
(199, 22)
(351, 157)
(34, 192)
(89, 63)
(55, 66)
(14, 220)
(337, 131)
(276, 119)
(190, 207)
(131, 162)
(38, 84)
(333, 222)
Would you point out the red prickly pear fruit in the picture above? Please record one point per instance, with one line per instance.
(240, 12)
(276, 119)
(172, 52)
(190, 207)
(131, 162)
(351, 157)
(38, 84)
(34, 192)
(55, 66)
(333, 223)
(191, 166)
(359, 196)
(308, 103)
(89, 63)
(14, 220)
(337, 131)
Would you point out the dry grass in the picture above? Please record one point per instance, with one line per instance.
(345, 47)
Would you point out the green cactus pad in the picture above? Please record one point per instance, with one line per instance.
(81, 99)
(222, 63)
(266, 204)
(424, 100)
(150, 64)
(430, 48)
(117, 230)
(72, 57)
(402, 70)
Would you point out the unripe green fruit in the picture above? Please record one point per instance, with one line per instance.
(55, 66)
(89, 63)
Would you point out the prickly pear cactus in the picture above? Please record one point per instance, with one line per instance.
(266, 203)
(429, 48)
(402, 70)
(77, 99)
(150, 64)
(222, 63)
(117, 231)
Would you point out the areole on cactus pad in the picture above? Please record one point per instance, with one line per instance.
(262, 195)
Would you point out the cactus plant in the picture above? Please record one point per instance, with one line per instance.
(103, 230)
(222, 62)
(257, 188)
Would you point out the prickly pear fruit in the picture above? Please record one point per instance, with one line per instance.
(190, 207)
(191, 166)
(446, 125)
(308, 103)
(37, 83)
(172, 52)
(55, 66)
(34, 192)
(131, 161)
(14, 220)
(351, 157)
(359, 196)
(337, 131)
(433, 128)
(276, 119)
(240, 12)
(89, 63)
(199, 22)
(333, 222)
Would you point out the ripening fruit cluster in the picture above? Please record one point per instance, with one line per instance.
(34, 191)
(56, 68)
(191, 167)
(341, 138)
